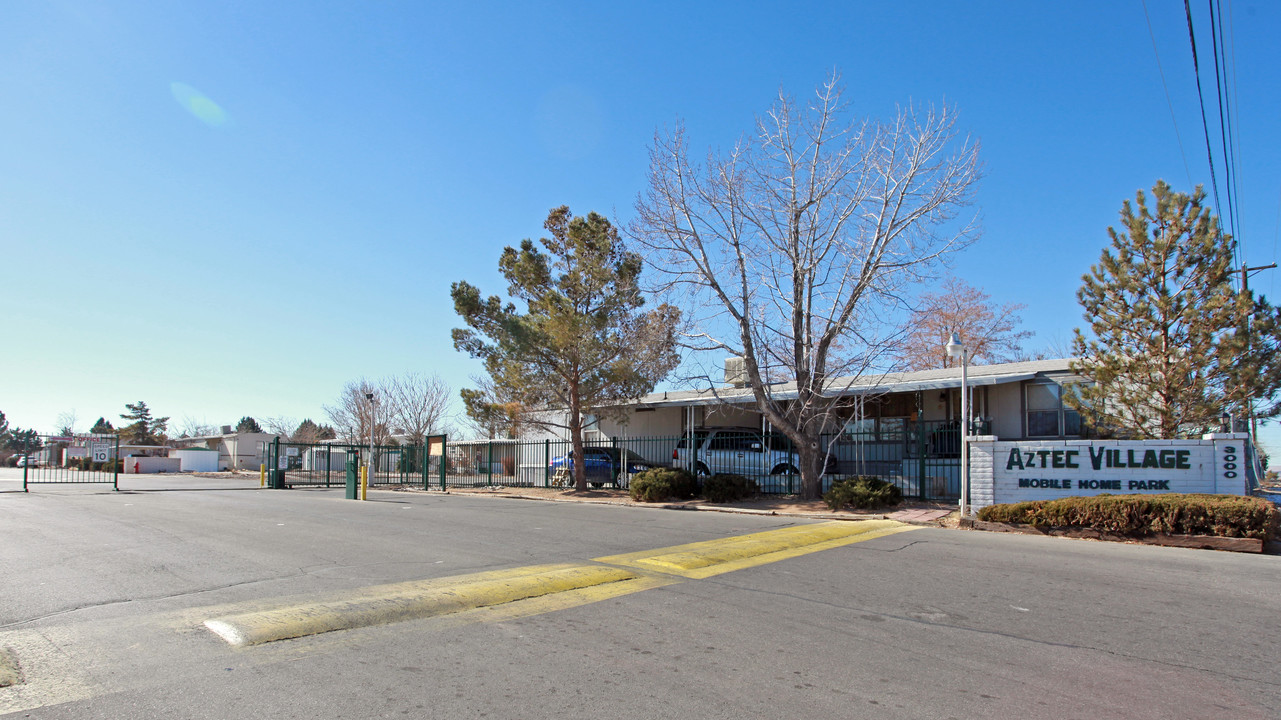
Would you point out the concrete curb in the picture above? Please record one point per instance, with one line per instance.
(700, 508)
(1201, 542)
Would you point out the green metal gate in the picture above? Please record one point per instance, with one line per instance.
(324, 464)
(75, 460)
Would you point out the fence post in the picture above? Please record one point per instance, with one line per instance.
(920, 459)
(489, 463)
(444, 459)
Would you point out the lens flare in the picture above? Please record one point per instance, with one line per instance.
(198, 104)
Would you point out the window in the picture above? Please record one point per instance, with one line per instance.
(885, 429)
(1047, 416)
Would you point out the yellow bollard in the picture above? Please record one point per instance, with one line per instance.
(262, 475)
(364, 481)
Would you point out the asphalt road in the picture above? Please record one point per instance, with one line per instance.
(103, 596)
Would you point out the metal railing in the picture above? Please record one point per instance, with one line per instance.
(73, 459)
(921, 458)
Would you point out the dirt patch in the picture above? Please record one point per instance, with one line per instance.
(10, 672)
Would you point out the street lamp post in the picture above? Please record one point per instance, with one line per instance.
(956, 349)
(373, 420)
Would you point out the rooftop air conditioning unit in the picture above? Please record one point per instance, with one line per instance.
(226, 429)
(735, 372)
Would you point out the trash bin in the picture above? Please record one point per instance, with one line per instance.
(277, 480)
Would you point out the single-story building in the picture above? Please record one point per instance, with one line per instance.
(236, 450)
(904, 427)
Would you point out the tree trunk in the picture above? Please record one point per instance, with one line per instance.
(576, 439)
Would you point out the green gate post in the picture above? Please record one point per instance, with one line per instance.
(489, 464)
(329, 458)
(444, 459)
(115, 466)
(426, 458)
(547, 462)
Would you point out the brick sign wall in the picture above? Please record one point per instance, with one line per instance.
(1014, 471)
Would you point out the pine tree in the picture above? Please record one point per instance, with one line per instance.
(1167, 352)
(248, 425)
(102, 427)
(581, 341)
(142, 429)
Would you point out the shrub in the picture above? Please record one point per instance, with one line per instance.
(862, 492)
(1140, 515)
(112, 466)
(661, 484)
(727, 487)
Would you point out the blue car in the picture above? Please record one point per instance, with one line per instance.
(604, 465)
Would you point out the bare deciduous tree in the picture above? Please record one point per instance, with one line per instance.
(280, 425)
(990, 332)
(67, 422)
(192, 427)
(413, 404)
(794, 247)
(417, 404)
(353, 412)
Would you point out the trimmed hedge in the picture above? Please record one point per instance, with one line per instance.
(862, 492)
(728, 487)
(1140, 515)
(662, 484)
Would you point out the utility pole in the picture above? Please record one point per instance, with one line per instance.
(1245, 329)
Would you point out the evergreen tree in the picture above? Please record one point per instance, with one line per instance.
(306, 432)
(494, 419)
(16, 440)
(248, 425)
(142, 428)
(309, 432)
(1168, 351)
(581, 342)
(102, 427)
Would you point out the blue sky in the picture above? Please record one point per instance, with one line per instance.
(357, 158)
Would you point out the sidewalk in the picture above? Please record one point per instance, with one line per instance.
(910, 511)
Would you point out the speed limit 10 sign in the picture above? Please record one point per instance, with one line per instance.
(101, 453)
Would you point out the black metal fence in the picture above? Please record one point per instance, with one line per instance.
(921, 458)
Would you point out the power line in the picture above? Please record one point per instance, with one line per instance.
(1225, 126)
(1209, 149)
(1169, 103)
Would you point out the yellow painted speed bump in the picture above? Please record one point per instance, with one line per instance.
(546, 587)
(713, 557)
(408, 601)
